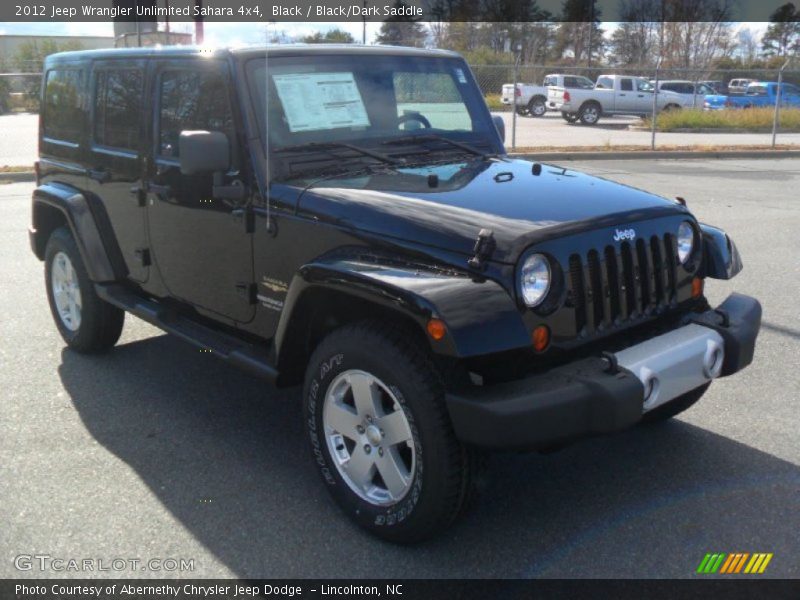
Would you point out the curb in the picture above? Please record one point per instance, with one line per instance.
(17, 176)
(657, 154)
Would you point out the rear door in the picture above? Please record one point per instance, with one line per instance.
(625, 96)
(201, 245)
(114, 157)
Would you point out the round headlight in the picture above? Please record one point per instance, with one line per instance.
(685, 241)
(535, 279)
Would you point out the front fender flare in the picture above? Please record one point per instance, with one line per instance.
(480, 315)
(722, 260)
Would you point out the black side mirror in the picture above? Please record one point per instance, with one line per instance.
(500, 125)
(204, 152)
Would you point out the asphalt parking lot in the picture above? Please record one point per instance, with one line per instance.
(157, 451)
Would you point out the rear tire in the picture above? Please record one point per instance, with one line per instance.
(357, 455)
(87, 323)
(590, 113)
(537, 107)
(676, 406)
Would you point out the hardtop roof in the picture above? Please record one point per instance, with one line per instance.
(247, 52)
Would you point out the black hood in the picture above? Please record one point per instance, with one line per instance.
(445, 206)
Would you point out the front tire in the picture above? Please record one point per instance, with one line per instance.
(87, 323)
(380, 433)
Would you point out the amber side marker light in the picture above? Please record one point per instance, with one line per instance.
(541, 338)
(697, 287)
(436, 329)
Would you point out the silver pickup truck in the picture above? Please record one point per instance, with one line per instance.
(531, 100)
(611, 95)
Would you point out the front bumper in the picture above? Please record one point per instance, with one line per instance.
(602, 395)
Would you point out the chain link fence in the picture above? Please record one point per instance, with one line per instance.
(763, 122)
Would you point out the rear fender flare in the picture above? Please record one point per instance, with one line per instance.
(78, 216)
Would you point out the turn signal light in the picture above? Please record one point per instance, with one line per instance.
(436, 329)
(541, 338)
(697, 287)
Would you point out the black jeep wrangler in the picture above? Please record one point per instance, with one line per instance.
(347, 218)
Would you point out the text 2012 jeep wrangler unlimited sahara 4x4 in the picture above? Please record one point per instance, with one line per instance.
(347, 218)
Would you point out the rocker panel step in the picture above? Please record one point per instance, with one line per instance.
(246, 356)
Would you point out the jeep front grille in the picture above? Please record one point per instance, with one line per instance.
(615, 284)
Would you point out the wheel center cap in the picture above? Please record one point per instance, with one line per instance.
(373, 435)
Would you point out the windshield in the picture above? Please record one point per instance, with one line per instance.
(367, 100)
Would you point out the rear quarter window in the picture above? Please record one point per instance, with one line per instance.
(117, 108)
(63, 105)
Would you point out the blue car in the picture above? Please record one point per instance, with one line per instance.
(761, 93)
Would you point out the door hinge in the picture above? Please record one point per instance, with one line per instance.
(248, 292)
(246, 216)
(143, 256)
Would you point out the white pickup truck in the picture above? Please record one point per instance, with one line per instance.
(611, 95)
(531, 100)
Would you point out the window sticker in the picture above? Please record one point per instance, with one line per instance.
(315, 101)
(460, 76)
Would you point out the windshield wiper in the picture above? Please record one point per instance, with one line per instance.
(433, 137)
(309, 146)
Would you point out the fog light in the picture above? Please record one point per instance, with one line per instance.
(541, 338)
(697, 287)
(436, 329)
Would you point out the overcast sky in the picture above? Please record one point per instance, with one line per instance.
(233, 34)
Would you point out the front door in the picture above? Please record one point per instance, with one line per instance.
(200, 244)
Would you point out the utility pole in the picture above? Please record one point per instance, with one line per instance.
(518, 52)
(199, 35)
(777, 115)
(364, 25)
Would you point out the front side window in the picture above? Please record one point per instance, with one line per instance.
(192, 100)
(117, 108)
(553, 81)
(63, 106)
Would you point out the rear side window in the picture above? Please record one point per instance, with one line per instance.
(605, 83)
(63, 106)
(117, 106)
(188, 100)
(550, 80)
(626, 85)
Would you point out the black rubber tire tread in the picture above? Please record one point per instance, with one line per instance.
(101, 323)
(451, 492)
(675, 407)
